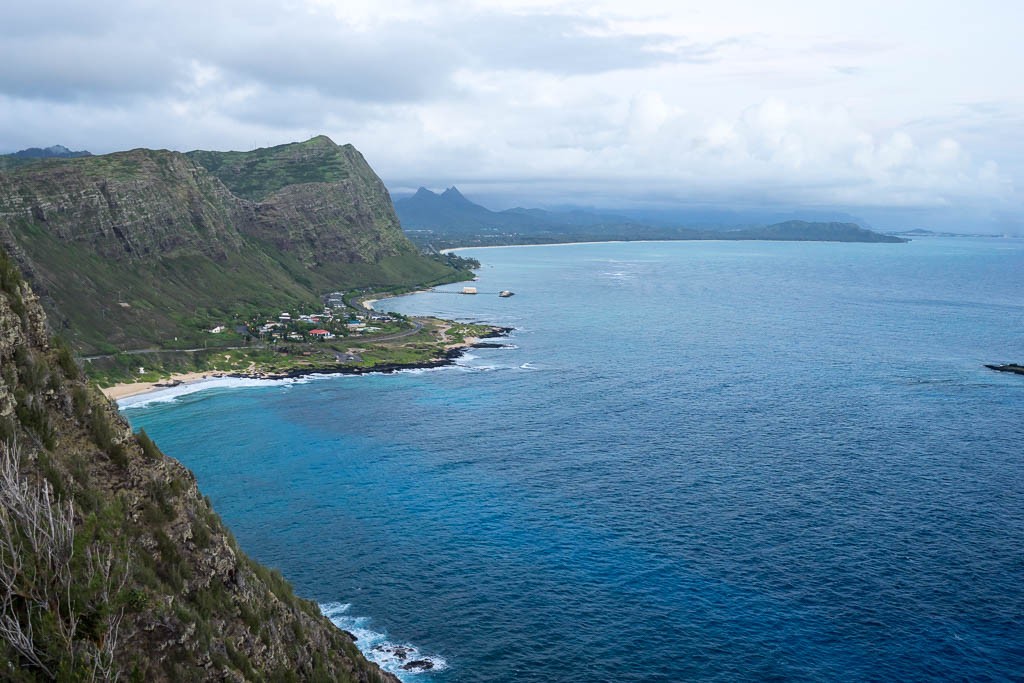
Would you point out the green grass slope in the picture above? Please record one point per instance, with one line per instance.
(257, 174)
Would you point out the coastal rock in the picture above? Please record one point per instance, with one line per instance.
(397, 651)
(1014, 368)
(418, 665)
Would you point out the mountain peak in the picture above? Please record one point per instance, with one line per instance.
(453, 196)
(321, 140)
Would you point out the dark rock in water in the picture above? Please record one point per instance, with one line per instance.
(398, 651)
(350, 635)
(1015, 368)
(419, 665)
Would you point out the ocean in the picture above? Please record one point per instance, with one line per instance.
(715, 461)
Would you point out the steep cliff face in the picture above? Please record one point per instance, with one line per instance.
(134, 249)
(312, 189)
(128, 206)
(111, 561)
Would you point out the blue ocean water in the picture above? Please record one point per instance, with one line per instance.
(697, 461)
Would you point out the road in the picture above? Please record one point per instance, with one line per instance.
(416, 327)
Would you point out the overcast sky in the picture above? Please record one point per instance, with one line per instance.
(875, 104)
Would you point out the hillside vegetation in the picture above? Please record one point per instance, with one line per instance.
(149, 248)
(112, 564)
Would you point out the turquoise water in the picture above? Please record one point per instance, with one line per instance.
(697, 461)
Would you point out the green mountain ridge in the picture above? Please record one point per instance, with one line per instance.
(112, 563)
(449, 219)
(34, 155)
(137, 248)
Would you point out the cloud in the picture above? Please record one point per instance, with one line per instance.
(64, 53)
(789, 153)
(735, 102)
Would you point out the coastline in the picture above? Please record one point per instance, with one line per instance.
(448, 250)
(129, 389)
(564, 244)
(453, 352)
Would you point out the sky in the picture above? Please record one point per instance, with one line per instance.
(907, 111)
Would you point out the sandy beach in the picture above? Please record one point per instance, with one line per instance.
(119, 391)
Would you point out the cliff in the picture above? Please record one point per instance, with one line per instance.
(112, 563)
(134, 249)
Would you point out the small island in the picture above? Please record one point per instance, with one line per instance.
(1014, 368)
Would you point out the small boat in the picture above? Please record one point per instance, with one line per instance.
(505, 293)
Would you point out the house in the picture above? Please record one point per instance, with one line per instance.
(321, 334)
(218, 329)
(285, 318)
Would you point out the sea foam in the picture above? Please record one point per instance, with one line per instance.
(390, 656)
(169, 394)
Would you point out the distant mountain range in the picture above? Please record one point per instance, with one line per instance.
(450, 219)
(34, 155)
(54, 152)
(451, 212)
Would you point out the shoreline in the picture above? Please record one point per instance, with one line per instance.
(567, 244)
(368, 303)
(451, 353)
(906, 240)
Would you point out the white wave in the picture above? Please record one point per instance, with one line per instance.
(420, 371)
(619, 276)
(173, 393)
(332, 609)
(375, 646)
(483, 368)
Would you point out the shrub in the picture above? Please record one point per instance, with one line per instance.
(149, 449)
